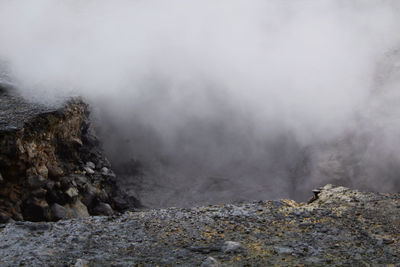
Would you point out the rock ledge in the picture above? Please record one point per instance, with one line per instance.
(341, 227)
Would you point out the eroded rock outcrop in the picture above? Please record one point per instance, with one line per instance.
(51, 164)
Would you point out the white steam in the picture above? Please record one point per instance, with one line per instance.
(235, 89)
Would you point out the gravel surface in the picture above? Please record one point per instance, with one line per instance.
(340, 227)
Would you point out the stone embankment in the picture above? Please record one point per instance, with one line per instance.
(340, 227)
(51, 164)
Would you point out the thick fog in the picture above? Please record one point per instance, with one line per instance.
(218, 101)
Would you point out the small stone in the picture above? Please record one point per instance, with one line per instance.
(55, 196)
(76, 141)
(55, 172)
(13, 196)
(4, 217)
(210, 262)
(111, 176)
(58, 212)
(39, 193)
(81, 263)
(4, 192)
(65, 182)
(283, 250)
(104, 171)
(315, 196)
(42, 171)
(103, 195)
(72, 193)
(231, 247)
(36, 210)
(50, 185)
(90, 193)
(1, 179)
(80, 180)
(123, 203)
(36, 181)
(15, 213)
(388, 241)
(316, 191)
(313, 260)
(88, 170)
(78, 210)
(103, 209)
(90, 165)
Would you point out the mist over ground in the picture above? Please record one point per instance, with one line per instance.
(219, 101)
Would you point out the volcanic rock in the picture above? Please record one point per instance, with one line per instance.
(36, 181)
(210, 262)
(58, 212)
(46, 155)
(72, 193)
(77, 210)
(103, 208)
(231, 247)
(342, 227)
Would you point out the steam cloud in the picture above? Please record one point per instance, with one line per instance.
(222, 100)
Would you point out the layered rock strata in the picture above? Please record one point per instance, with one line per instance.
(51, 164)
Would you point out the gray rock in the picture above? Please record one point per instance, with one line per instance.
(90, 193)
(65, 182)
(1, 179)
(39, 193)
(103, 209)
(283, 250)
(72, 193)
(80, 180)
(210, 262)
(104, 171)
(103, 195)
(81, 263)
(58, 212)
(313, 260)
(358, 256)
(36, 210)
(4, 217)
(388, 241)
(88, 170)
(50, 185)
(231, 247)
(90, 165)
(36, 181)
(77, 210)
(54, 172)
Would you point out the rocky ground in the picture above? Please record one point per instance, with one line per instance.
(339, 227)
(51, 163)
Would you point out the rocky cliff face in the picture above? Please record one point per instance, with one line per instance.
(340, 227)
(51, 165)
